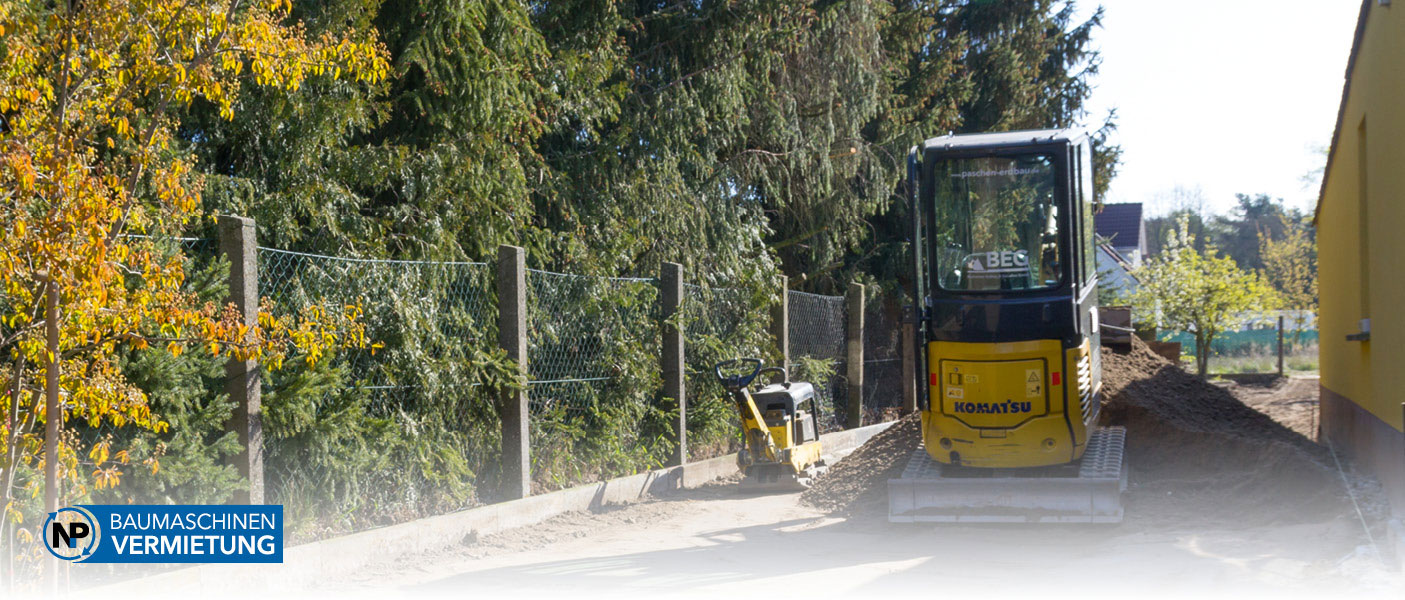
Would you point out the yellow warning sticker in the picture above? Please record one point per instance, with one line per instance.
(1034, 383)
(955, 392)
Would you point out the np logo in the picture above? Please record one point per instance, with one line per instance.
(71, 533)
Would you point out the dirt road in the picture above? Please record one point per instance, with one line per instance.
(1181, 538)
(711, 542)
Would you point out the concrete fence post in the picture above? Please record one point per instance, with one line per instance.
(1280, 345)
(853, 309)
(780, 323)
(671, 292)
(238, 241)
(512, 404)
(909, 361)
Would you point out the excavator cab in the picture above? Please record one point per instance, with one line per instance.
(1005, 281)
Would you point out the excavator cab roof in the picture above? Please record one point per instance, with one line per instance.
(1005, 139)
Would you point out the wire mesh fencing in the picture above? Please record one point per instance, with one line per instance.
(719, 324)
(818, 352)
(882, 372)
(594, 382)
(402, 429)
(367, 437)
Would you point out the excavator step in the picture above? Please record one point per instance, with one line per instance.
(1087, 491)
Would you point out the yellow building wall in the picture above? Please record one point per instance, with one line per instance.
(1353, 286)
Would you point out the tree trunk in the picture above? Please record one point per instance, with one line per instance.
(52, 419)
(1202, 355)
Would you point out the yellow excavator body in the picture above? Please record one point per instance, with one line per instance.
(1006, 405)
(1005, 289)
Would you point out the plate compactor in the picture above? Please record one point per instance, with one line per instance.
(1006, 281)
(780, 426)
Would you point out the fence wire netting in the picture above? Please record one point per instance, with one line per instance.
(818, 353)
(582, 332)
(718, 324)
(882, 371)
(413, 424)
(594, 382)
(437, 306)
(412, 428)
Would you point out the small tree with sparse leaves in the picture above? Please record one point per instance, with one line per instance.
(1202, 293)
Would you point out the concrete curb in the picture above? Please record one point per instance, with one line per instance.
(306, 564)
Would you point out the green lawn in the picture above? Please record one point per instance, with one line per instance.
(1300, 361)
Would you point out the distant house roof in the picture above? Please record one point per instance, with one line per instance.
(1122, 224)
(1119, 260)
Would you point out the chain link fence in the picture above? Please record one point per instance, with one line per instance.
(582, 332)
(882, 370)
(719, 324)
(432, 306)
(594, 382)
(818, 351)
(367, 437)
(402, 430)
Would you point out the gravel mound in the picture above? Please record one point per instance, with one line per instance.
(1196, 453)
(1143, 381)
(859, 482)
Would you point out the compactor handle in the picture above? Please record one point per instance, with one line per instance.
(785, 377)
(738, 381)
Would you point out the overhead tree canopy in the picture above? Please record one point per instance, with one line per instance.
(741, 138)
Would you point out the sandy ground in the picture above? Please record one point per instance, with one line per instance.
(1291, 401)
(752, 546)
(716, 541)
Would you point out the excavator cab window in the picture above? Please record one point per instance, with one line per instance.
(997, 223)
(1085, 205)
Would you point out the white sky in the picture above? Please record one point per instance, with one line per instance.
(1228, 96)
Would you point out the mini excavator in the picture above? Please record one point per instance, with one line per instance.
(780, 426)
(1005, 281)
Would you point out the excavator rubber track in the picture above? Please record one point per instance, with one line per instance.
(1087, 491)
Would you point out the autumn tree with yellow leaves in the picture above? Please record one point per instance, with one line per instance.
(94, 183)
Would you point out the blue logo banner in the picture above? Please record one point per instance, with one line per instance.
(113, 533)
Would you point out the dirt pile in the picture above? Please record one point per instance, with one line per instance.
(1291, 401)
(859, 482)
(1197, 452)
